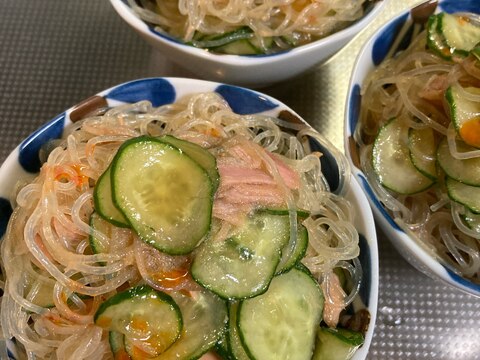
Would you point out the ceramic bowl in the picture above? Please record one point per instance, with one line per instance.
(24, 162)
(371, 55)
(251, 71)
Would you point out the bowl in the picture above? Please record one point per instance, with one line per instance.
(24, 163)
(250, 71)
(374, 51)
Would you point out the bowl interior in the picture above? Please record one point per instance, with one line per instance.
(371, 55)
(370, 10)
(246, 70)
(24, 162)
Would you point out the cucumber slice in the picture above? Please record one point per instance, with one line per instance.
(116, 341)
(421, 143)
(205, 318)
(222, 347)
(214, 41)
(466, 171)
(336, 344)
(435, 40)
(98, 223)
(392, 162)
(301, 244)
(465, 114)
(236, 347)
(464, 194)
(199, 154)
(130, 313)
(239, 47)
(103, 202)
(472, 221)
(302, 214)
(476, 52)
(225, 267)
(166, 196)
(460, 33)
(41, 293)
(282, 323)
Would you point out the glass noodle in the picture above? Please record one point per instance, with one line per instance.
(286, 21)
(46, 248)
(411, 86)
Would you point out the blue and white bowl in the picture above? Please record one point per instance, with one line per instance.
(371, 55)
(24, 163)
(251, 71)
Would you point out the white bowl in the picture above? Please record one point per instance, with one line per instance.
(372, 53)
(252, 71)
(23, 162)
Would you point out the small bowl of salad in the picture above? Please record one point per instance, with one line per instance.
(247, 43)
(412, 135)
(178, 218)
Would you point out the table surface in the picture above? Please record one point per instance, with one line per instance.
(55, 53)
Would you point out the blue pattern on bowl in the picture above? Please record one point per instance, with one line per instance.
(384, 41)
(452, 6)
(329, 164)
(366, 261)
(5, 213)
(354, 107)
(244, 101)
(156, 90)
(29, 148)
(380, 45)
(163, 91)
(463, 281)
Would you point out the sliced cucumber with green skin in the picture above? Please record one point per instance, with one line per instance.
(464, 194)
(282, 323)
(199, 154)
(236, 347)
(466, 170)
(166, 196)
(100, 224)
(226, 266)
(392, 163)
(336, 344)
(301, 243)
(476, 52)
(104, 206)
(301, 214)
(465, 114)
(130, 313)
(435, 40)
(472, 221)
(222, 347)
(116, 341)
(213, 41)
(239, 47)
(43, 294)
(205, 319)
(421, 143)
(460, 33)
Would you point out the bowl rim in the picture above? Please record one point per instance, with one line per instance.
(364, 223)
(128, 15)
(363, 65)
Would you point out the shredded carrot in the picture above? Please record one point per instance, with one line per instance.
(172, 278)
(470, 132)
(139, 323)
(122, 355)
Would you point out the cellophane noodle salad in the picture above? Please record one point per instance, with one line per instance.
(249, 27)
(85, 281)
(420, 124)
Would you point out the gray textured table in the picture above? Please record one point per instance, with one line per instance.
(54, 53)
